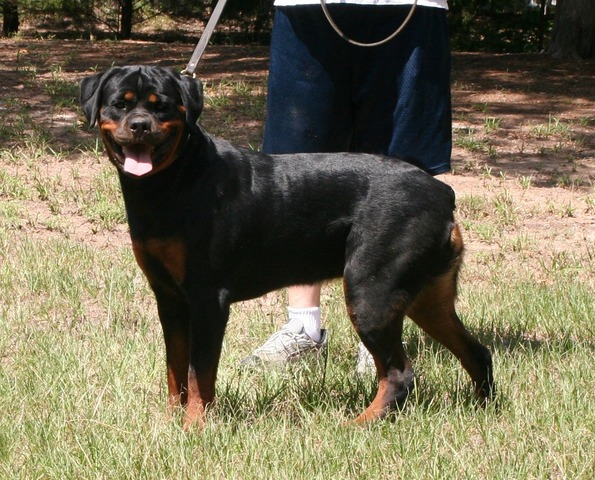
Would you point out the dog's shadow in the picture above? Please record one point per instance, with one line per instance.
(329, 384)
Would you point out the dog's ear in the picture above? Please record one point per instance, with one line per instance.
(90, 94)
(192, 97)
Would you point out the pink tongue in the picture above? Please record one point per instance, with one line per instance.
(138, 160)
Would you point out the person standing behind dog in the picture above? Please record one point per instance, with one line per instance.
(328, 95)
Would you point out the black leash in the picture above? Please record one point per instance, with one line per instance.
(204, 39)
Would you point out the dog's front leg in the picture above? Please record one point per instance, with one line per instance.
(208, 318)
(163, 263)
(173, 314)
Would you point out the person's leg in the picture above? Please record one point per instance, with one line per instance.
(423, 118)
(403, 102)
(306, 112)
(307, 108)
(300, 336)
(304, 307)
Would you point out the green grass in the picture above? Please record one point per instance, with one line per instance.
(82, 386)
(101, 202)
(470, 141)
(63, 93)
(554, 126)
(82, 374)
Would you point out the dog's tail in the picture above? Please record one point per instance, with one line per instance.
(456, 243)
(457, 248)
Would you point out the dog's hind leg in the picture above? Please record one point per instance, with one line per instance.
(380, 326)
(433, 309)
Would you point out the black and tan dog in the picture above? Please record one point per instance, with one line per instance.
(213, 224)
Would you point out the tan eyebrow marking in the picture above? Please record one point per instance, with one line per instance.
(129, 96)
(153, 98)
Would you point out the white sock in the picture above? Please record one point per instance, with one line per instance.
(308, 318)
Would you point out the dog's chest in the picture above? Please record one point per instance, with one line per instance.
(163, 260)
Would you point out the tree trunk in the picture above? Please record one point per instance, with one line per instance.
(126, 19)
(573, 34)
(10, 18)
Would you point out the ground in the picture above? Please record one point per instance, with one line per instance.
(523, 126)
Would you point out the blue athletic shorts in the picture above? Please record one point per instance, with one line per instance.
(326, 95)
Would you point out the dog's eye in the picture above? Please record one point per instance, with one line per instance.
(120, 105)
(160, 106)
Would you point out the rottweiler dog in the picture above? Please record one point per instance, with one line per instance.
(213, 224)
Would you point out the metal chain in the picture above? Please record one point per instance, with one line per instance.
(372, 44)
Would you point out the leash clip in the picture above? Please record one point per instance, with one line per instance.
(187, 73)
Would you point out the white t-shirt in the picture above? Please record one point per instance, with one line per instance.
(421, 3)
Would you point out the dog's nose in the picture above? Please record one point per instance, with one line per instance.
(139, 126)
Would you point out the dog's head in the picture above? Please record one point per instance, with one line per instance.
(144, 114)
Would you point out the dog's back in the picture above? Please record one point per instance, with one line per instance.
(303, 217)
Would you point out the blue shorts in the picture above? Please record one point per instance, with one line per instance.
(327, 95)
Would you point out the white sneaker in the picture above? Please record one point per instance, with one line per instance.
(286, 346)
(365, 362)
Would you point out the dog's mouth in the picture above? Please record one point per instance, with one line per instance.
(146, 154)
(137, 159)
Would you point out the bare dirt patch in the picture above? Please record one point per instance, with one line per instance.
(524, 131)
